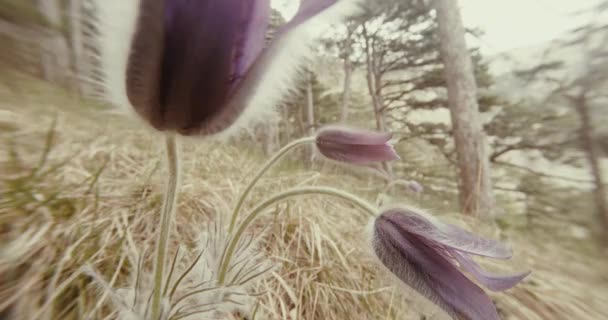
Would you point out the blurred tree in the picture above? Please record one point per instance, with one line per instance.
(346, 48)
(374, 86)
(50, 34)
(310, 110)
(397, 45)
(77, 45)
(22, 12)
(581, 86)
(392, 37)
(475, 176)
(55, 55)
(267, 133)
(584, 91)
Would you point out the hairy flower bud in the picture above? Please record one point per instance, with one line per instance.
(428, 256)
(355, 146)
(195, 67)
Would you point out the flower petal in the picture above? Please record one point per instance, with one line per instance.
(184, 58)
(254, 36)
(358, 154)
(355, 146)
(143, 70)
(346, 135)
(198, 59)
(487, 279)
(463, 240)
(447, 235)
(307, 10)
(273, 71)
(423, 266)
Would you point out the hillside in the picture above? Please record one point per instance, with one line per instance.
(98, 185)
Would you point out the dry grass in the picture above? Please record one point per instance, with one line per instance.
(80, 186)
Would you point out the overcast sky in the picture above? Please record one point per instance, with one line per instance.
(509, 24)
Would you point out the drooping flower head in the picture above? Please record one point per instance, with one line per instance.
(355, 146)
(430, 257)
(194, 66)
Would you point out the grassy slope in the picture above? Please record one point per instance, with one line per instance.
(87, 191)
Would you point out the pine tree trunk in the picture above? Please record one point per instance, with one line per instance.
(271, 142)
(587, 140)
(285, 132)
(348, 72)
(310, 112)
(373, 86)
(55, 61)
(76, 32)
(475, 185)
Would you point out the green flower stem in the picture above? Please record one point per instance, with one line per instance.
(166, 217)
(282, 196)
(269, 163)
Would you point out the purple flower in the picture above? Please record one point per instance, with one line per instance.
(194, 66)
(428, 256)
(355, 146)
(414, 186)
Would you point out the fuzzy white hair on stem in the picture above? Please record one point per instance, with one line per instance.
(191, 288)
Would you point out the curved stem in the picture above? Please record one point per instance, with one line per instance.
(269, 163)
(166, 217)
(282, 196)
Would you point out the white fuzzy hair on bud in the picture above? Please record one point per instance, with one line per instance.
(422, 305)
(281, 74)
(370, 226)
(115, 26)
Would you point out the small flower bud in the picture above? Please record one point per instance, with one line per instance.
(354, 146)
(415, 187)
